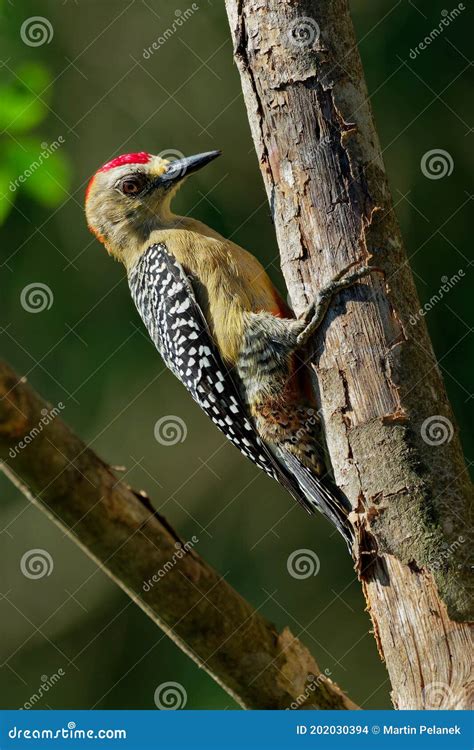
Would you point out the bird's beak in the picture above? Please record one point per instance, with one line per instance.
(180, 168)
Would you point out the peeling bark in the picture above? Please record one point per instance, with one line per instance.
(119, 529)
(377, 376)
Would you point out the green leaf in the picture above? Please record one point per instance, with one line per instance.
(49, 184)
(39, 169)
(21, 109)
(7, 195)
(36, 78)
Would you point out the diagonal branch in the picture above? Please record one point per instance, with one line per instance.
(258, 666)
(389, 426)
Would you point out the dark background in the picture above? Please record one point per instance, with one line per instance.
(91, 86)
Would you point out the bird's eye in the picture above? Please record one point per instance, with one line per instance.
(133, 185)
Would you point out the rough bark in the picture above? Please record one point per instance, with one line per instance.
(377, 376)
(258, 666)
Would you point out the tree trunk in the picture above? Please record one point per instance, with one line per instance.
(390, 431)
(258, 666)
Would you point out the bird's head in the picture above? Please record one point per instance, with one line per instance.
(130, 196)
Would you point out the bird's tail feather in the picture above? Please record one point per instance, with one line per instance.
(320, 493)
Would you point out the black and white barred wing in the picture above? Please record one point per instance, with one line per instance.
(167, 305)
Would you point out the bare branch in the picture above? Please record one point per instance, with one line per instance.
(258, 666)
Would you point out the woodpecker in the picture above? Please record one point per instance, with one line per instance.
(219, 323)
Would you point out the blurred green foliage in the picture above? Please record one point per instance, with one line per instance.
(27, 163)
(91, 85)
